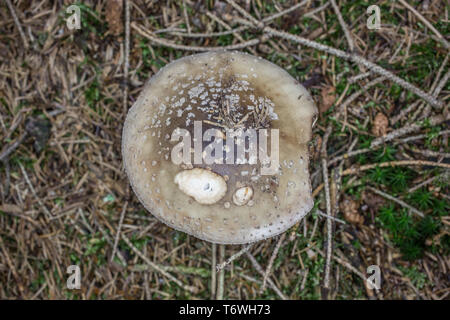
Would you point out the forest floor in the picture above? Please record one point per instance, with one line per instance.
(383, 144)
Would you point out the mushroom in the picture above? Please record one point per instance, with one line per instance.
(216, 146)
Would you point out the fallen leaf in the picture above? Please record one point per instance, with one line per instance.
(328, 96)
(380, 125)
(373, 201)
(350, 208)
(113, 15)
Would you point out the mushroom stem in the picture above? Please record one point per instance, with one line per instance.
(213, 270)
(221, 273)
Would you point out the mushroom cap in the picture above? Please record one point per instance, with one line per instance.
(221, 89)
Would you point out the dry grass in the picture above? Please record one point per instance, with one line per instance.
(64, 195)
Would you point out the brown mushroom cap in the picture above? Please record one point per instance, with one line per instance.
(223, 90)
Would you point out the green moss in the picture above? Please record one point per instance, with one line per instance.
(406, 232)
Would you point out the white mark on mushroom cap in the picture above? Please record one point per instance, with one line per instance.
(242, 195)
(205, 186)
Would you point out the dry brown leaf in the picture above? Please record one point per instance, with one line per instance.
(328, 96)
(380, 125)
(373, 201)
(113, 15)
(350, 208)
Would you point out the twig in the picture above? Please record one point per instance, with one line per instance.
(126, 65)
(205, 35)
(186, 18)
(336, 52)
(347, 34)
(404, 112)
(148, 293)
(433, 121)
(157, 267)
(25, 175)
(356, 94)
(438, 76)
(318, 9)
(357, 169)
(359, 77)
(17, 22)
(102, 231)
(335, 187)
(305, 277)
(253, 21)
(12, 268)
(326, 279)
(313, 232)
(116, 240)
(430, 153)
(220, 284)
(213, 270)
(177, 268)
(234, 257)
(442, 83)
(400, 202)
(261, 272)
(8, 178)
(170, 44)
(372, 148)
(320, 213)
(425, 21)
(350, 267)
(272, 259)
(284, 12)
(235, 30)
(9, 149)
(358, 60)
(249, 278)
(424, 183)
(436, 120)
(42, 288)
(420, 136)
(226, 26)
(435, 89)
(344, 263)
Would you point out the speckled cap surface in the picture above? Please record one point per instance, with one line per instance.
(222, 90)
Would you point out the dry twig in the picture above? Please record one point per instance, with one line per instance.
(426, 22)
(221, 280)
(261, 272)
(234, 257)
(17, 22)
(400, 202)
(272, 259)
(156, 267)
(329, 243)
(116, 240)
(126, 65)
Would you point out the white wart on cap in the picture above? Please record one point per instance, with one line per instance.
(219, 202)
